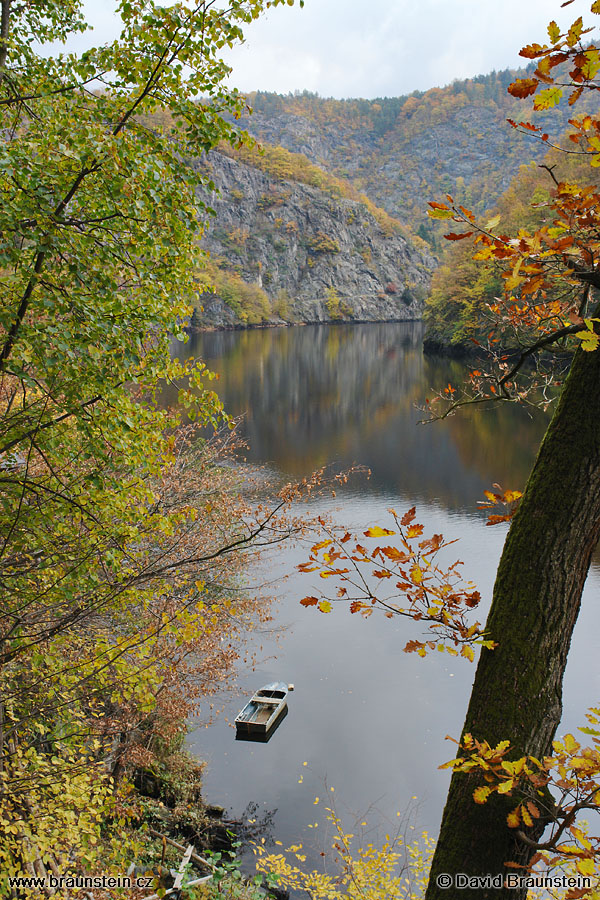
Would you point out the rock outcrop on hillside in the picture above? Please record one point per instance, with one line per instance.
(404, 151)
(316, 257)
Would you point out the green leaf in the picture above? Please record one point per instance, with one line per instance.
(548, 98)
(440, 213)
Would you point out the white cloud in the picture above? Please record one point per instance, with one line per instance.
(346, 48)
(370, 48)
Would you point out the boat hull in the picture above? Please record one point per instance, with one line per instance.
(260, 720)
(261, 737)
(262, 712)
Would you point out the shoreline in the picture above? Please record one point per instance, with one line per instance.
(174, 814)
(203, 329)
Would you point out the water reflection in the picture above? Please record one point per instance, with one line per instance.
(365, 717)
(348, 394)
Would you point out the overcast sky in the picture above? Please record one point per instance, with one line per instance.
(375, 48)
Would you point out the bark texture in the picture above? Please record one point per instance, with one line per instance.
(517, 692)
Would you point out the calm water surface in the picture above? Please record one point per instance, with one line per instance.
(365, 718)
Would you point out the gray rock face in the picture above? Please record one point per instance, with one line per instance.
(214, 313)
(317, 257)
(442, 141)
(412, 164)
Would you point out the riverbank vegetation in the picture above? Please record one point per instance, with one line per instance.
(122, 530)
(248, 301)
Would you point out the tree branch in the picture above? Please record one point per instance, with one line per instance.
(539, 345)
(50, 424)
(94, 166)
(4, 30)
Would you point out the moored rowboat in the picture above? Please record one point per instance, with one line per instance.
(261, 713)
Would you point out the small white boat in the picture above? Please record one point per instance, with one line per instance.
(261, 713)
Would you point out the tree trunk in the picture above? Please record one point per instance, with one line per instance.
(517, 693)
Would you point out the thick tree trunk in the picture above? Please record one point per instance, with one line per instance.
(517, 693)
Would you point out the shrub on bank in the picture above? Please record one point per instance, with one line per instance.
(248, 301)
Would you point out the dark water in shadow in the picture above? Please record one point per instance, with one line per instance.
(367, 719)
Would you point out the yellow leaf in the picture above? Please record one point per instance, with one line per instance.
(320, 545)
(511, 496)
(589, 339)
(451, 763)
(553, 32)
(325, 606)
(416, 575)
(513, 820)
(506, 786)
(591, 65)
(575, 32)
(585, 866)
(376, 531)
(492, 223)
(440, 213)
(580, 764)
(513, 281)
(571, 745)
(467, 652)
(548, 98)
(580, 836)
(481, 794)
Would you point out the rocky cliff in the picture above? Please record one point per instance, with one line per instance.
(404, 151)
(282, 250)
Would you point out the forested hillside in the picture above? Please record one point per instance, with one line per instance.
(403, 151)
(457, 310)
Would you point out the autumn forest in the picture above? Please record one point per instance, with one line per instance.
(299, 470)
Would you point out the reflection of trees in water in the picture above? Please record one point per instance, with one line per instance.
(501, 440)
(314, 376)
(318, 394)
(304, 388)
(255, 824)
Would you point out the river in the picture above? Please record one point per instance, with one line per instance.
(365, 719)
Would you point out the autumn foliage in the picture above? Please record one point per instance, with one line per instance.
(395, 869)
(403, 578)
(571, 774)
(546, 302)
(546, 272)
